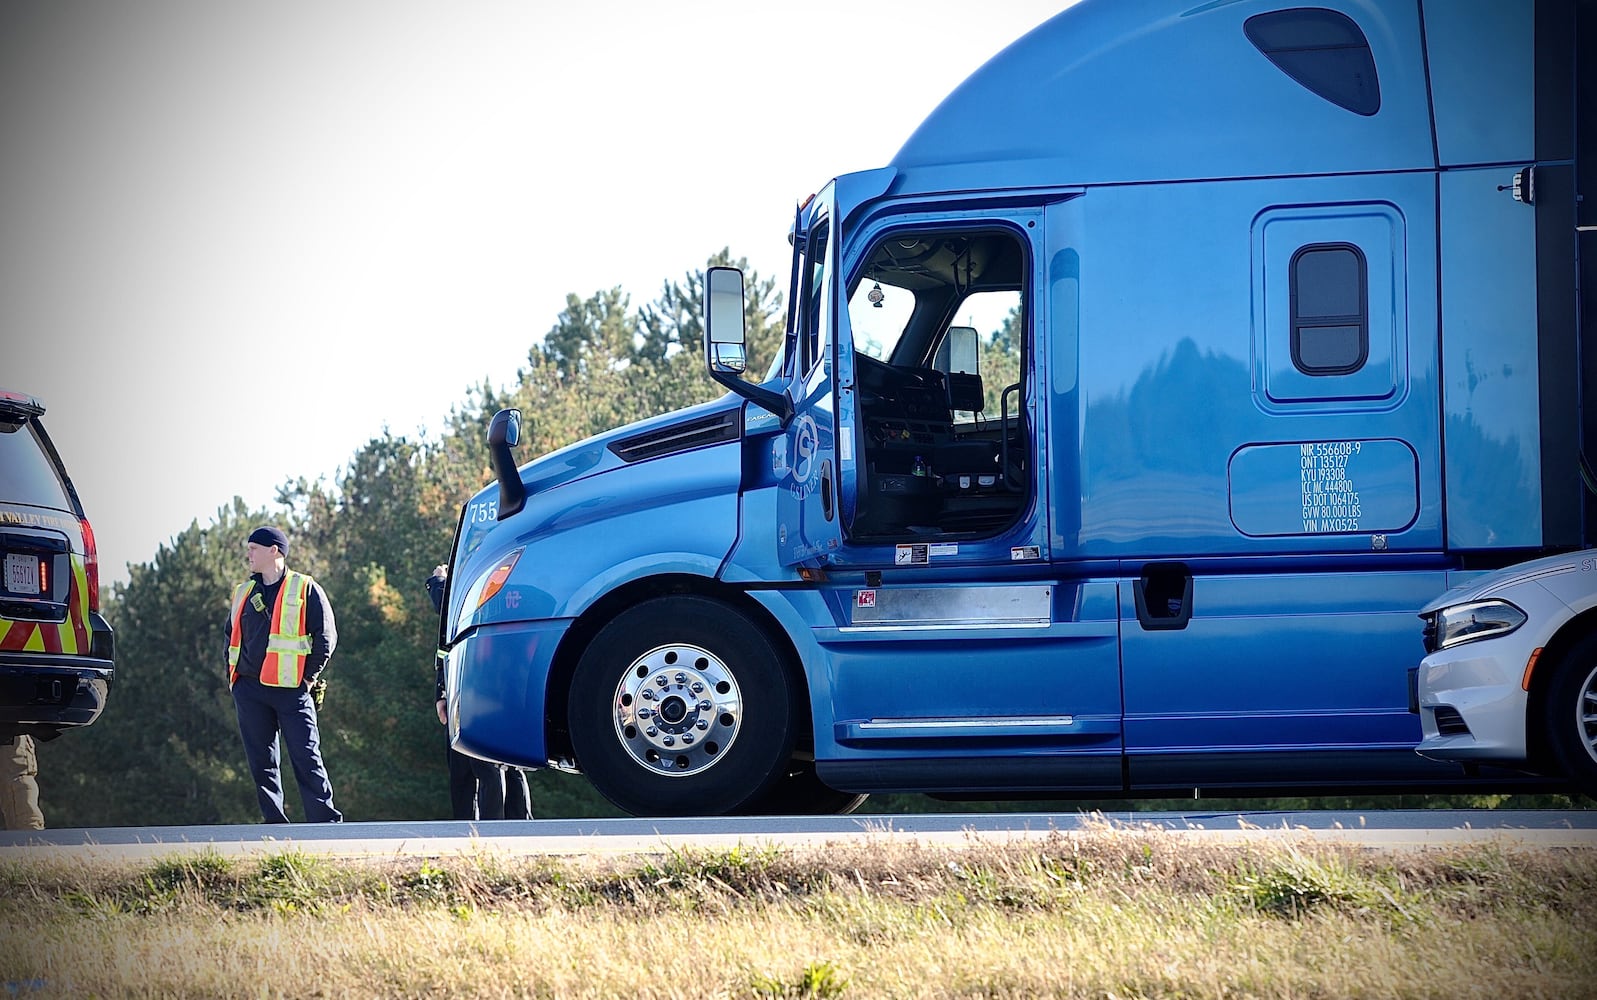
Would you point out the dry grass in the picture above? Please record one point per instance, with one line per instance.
(1109, 914)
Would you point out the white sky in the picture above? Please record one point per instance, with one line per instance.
(239, 239)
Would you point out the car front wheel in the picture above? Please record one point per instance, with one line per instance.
(1570, 714)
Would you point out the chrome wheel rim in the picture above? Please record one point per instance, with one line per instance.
(1586, 714)
(677, 710)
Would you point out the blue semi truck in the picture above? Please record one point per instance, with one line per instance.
(1122, 426)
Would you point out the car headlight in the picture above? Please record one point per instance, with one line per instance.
(1477, 620)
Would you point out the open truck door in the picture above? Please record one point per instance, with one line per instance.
(805, 454)
(808, 515)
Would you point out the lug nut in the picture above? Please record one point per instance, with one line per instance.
(648, 695)
(644, 713)
(704, 706)
(686, 738)
(702, 726)
(660, 680)
(651, 732)
(681, 677)
(697, 687)
(669, 741)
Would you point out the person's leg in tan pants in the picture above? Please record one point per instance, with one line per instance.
(19, 791)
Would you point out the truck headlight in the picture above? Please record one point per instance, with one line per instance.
(1474, 621)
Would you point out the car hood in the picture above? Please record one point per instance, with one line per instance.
(1541, 571)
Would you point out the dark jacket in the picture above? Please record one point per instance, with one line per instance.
(255, 625)
(435, 590)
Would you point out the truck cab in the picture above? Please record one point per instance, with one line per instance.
(1124, 423)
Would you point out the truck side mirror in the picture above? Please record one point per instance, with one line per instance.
(725, 341)
(725, 349)
(504, 434)
(960, 351)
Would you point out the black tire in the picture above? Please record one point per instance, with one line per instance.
(680, 707)
(1570, 714)
(798, 792)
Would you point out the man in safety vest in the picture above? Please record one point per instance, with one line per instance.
(281, 634)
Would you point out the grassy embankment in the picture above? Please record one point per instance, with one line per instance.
(1106, 914)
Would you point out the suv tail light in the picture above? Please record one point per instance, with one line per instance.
(91, 564)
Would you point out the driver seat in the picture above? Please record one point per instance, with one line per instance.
(972, 464)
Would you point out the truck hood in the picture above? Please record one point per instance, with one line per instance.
(673, 459)
(697, 426)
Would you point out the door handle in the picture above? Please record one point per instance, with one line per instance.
(1164, 597)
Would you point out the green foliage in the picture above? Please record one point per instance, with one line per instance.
(384, 747)
(1295, 884)
(734, 867)
(203, 871)
(430, 882)
(290, 882)
(817, 979)
(1000, 363)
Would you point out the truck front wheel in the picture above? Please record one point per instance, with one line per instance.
(680, 707)
(1570, 714)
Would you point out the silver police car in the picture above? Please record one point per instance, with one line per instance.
(1510, 678)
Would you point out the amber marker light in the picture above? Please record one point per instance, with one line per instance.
(497, 578)
(1530, 664)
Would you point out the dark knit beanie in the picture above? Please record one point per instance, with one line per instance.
(268, 535)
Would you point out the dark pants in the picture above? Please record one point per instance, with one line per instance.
(480, 790)
(263, 712)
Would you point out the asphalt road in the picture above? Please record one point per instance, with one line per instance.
(1392, 829)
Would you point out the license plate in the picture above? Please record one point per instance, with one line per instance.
(22, 573)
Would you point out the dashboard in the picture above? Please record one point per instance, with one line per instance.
(903, 407)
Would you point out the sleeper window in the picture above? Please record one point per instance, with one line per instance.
(1330, 309)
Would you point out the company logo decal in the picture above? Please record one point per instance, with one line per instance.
(806, 442)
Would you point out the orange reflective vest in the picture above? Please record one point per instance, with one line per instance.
(287, 645)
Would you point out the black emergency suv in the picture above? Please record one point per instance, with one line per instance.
(56, 659)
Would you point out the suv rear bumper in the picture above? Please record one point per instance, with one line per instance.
(42, 695)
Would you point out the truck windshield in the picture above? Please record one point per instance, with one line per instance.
(879, 313)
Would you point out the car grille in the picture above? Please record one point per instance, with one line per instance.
(1449, 722)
